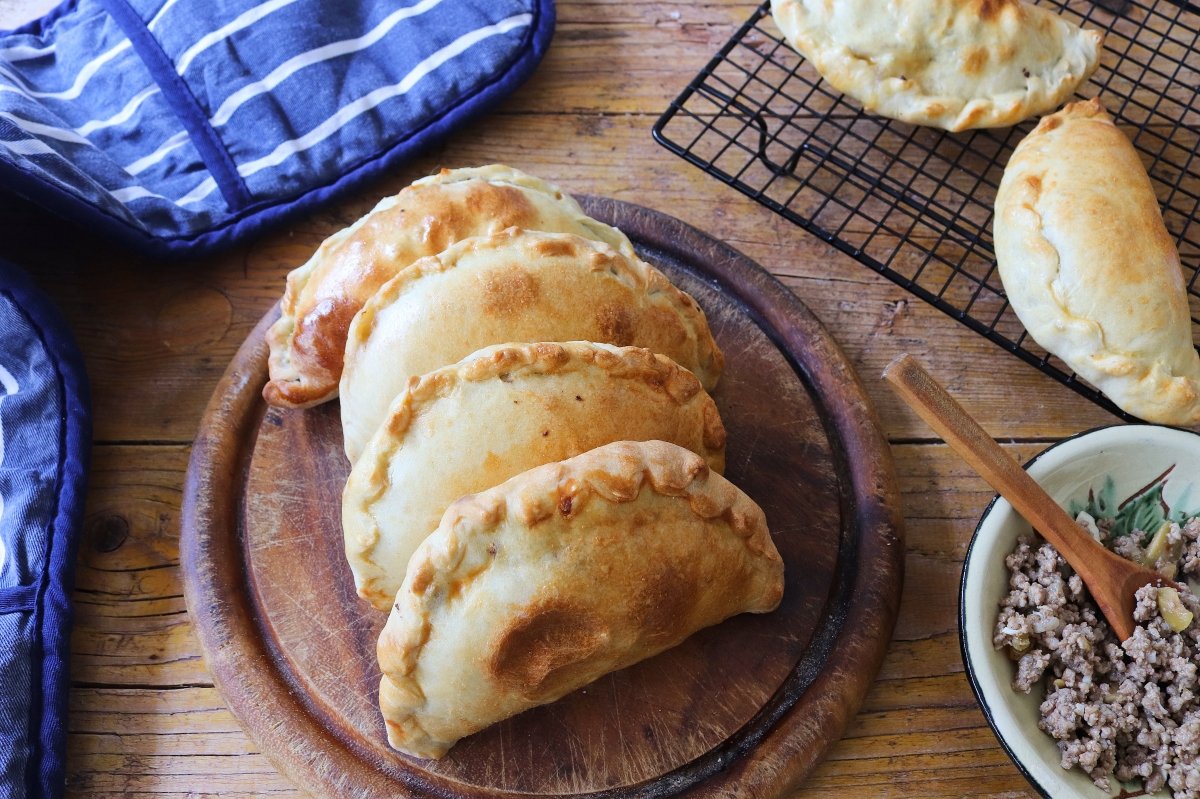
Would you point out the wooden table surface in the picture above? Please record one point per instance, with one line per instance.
(145, 719)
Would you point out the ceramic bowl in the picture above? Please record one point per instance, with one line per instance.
(1131, 456)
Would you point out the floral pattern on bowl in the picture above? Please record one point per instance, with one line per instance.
(1154, 470)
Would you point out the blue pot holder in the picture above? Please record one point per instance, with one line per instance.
(185, 125)
(45, 440)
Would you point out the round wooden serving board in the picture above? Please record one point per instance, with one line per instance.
(746, 708)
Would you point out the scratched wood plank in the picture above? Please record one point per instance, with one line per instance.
(918, 713)
(131, 626)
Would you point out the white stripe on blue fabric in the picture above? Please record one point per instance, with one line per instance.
(66, 134)
(16, 78)
(34, 127)
(145, 162)
(348, 112)
(199, 193)
(121, 116)
(38, 129)
(81, 79)
(159, 15)
(294, 65)
(126, 196)
(24, 52)
(301, 121)
(29, 147)
(244, 20)
(10, 386)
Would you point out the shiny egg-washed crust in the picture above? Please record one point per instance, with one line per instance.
(321, 296)
(953, 64)
(482, 290)
(1090, 268)
(634, 546)
(577, 395)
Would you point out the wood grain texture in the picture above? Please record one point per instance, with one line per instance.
(746, 708)
(147, 722)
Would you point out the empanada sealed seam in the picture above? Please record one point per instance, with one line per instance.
(953, 64)
(383, 520)
(1134, 341)
(501, 175)
(288, 385)
(322, 295)
(442, 572)
(549, 358)
(517, 285)
(626, 267)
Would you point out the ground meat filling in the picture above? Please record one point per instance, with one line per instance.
(1131, 711)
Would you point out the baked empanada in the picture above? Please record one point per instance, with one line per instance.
(953, 64)
(513, 286)
(496, 413)
(1089, 266)
(308, 340)
(562, 574)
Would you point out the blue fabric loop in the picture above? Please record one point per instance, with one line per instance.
(177, 94)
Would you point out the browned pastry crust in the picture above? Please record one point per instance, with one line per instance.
(953, 64)
(514, 286)
(1089, 266)
(322, 296)
(560, 575)
(496, 413)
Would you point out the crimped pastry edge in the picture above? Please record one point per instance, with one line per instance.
(291, 389)
(369, 477)
(545, 357)
(1157, 394)
(500, 174)
(615, 472)
(958, 114)
(279, 335)
(625, 266)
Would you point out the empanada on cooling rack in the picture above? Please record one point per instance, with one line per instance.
(560, 575)
(309, 339)
(496, 413)
(1089, 266)
(513, 286)
(953, 64)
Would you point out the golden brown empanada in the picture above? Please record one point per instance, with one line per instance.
(560, 575)
(513, 286)
(953, 64)
(496, 413)
(1089, 266)
(309, 339)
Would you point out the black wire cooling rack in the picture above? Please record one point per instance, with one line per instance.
(915, 203)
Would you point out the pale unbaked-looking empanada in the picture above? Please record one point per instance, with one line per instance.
(1089, 266)
(496, 413)
(953, 64)
(569, 571)
(513, 286)
(308, 340)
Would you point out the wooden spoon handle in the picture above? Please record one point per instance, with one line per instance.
(969, 440)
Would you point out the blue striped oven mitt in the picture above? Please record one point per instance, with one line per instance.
(45, 439)
(188, 124)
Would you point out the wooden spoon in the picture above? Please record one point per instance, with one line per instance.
(1111, 579)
